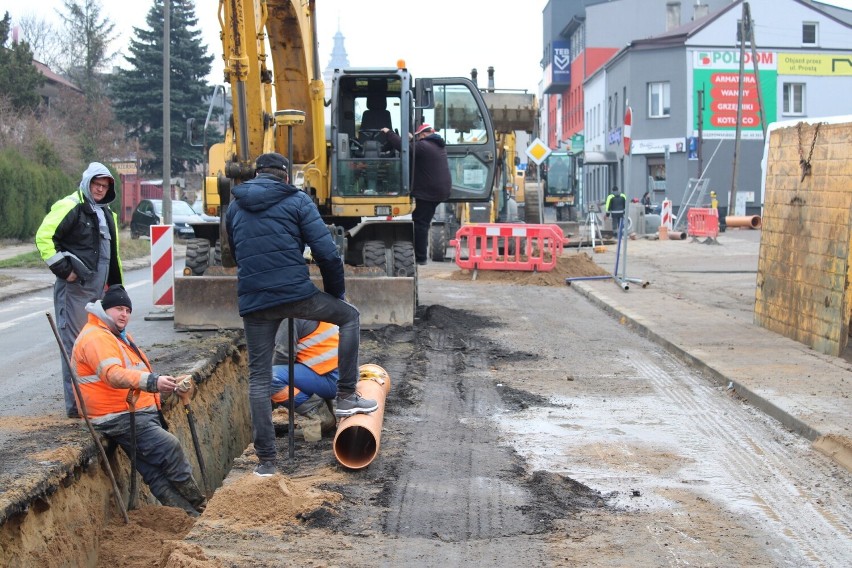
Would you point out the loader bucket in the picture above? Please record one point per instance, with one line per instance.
(210, 302)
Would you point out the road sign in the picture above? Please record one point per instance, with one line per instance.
(538, 151)
(628, 124)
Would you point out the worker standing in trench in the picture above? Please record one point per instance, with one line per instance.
(108, 364)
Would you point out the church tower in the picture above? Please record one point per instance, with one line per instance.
(338, 60)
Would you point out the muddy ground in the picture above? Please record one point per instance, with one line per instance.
(309, 492)
(523, 427)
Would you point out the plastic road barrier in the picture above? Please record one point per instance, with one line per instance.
(508, 246)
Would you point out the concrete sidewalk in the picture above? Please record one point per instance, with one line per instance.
(699, 305)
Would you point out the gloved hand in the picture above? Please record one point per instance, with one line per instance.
(184, 388)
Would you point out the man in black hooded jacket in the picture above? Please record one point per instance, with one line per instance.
(78, 241)
(431, 184)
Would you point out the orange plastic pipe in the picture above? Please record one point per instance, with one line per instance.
(677, 235)
(356, 443)
(747, 221)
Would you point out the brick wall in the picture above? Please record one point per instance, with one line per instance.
(803, 268)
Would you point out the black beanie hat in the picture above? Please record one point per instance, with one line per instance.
(116, 296)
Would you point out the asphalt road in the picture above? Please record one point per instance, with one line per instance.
(31, 357)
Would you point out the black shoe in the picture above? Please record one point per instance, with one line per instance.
(265, 469)
(422, 262)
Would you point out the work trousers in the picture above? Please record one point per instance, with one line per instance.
(422, 218)
(308, 381)
(159, 455)
(617, 220)
(69, 302)
(260, 329)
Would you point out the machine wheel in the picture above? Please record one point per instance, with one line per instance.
(198, 256)
(374, 255)
(217, 254)
(403, 259)
(133, 234)
(438, 242)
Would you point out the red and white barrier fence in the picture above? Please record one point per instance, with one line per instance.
(508, 246)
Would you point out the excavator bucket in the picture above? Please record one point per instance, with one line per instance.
(210, 302)
(511, 111)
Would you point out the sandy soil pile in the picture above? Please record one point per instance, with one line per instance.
(569, 265)
(284, 500)
(142, 542)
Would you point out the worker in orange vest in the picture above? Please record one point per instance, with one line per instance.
(112, 371)
(315, 369)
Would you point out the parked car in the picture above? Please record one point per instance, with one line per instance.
(150, 212)
(198, 207)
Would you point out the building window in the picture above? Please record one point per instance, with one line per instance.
(794, 98)
(658, 100)
(809, 33)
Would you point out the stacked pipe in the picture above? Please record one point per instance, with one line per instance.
(357, 440)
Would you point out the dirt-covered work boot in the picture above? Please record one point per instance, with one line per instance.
(171, 498)
(316, 419)
(189, 490)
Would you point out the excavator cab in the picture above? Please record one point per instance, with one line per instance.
(366, 165)
(370, 182)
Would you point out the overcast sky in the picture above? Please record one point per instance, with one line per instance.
(441, 38)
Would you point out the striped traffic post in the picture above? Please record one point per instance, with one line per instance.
(665, 219)
(162, 265)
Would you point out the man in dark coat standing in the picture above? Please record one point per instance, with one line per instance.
(269, 222)
(431, 184)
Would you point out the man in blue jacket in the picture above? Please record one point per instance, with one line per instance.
(269, 223)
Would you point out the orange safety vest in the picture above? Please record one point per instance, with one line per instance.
(318, 349)
(106, 368)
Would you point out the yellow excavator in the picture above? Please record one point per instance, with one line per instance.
(360, 185)
(510, 111)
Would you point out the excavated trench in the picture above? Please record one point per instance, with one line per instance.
(60, 516)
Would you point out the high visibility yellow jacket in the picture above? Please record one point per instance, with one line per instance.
(106, 368)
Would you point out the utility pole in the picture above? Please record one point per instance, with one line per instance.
(700, 130)
(167, 122)
(745, 24)
(760, 115)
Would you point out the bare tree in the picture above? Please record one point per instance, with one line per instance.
(44, 40)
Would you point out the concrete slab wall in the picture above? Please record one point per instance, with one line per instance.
(803, 268)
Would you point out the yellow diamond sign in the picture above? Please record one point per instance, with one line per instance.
(538, 151)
